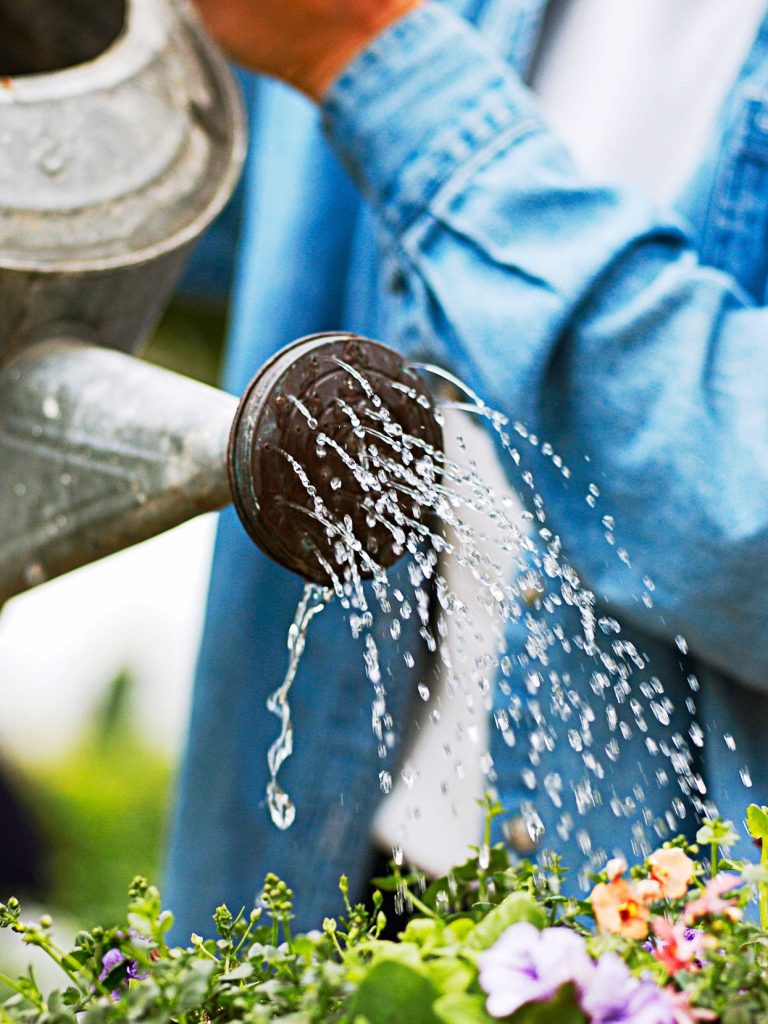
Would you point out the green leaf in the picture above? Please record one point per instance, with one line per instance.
(561, 1009)
(461, 1008)
(393, 993)
(717, 831)
(459, 928)
(449, 974)
(518, 906)
(391, 883)
(244, 970)
(423, 931)
(757, 821)
(140, 923)
(71, 996)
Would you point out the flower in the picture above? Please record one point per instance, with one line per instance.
(111, 959)
(134, 973)
(615, 867)
(619, 908)
(711, 902)
(648, 890)
(678, 947)
(672, 868)
(682, 1011)
(614, 996)
(529, 966)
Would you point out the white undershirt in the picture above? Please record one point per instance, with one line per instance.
(633, 87)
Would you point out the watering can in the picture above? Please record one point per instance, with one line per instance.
(121, 138)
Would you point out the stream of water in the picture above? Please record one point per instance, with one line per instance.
(422, 496)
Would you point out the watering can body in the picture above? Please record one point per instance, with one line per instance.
(121, 137)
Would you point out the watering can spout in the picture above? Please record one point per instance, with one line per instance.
(99, 450)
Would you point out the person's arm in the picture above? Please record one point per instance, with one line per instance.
(305, 43)
(583, 312)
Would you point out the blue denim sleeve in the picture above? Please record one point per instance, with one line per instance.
(584, 312)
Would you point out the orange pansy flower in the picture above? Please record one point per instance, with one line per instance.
(619, 908)
(672, 868)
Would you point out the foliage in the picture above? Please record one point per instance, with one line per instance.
(104, 807)
(667, 943)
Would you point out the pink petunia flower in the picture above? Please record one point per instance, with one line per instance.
(529, 966)
(677, 947)
(710, 901)
(682, 1011)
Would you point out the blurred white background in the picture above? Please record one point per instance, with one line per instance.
(139, 611)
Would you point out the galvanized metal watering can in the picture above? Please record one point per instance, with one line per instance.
(121, 137)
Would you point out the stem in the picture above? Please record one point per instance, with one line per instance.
(762, 887)
(10, 983)
(713, 858)
(246, 936)
(417, 903)
(62, 960)
(73, 972)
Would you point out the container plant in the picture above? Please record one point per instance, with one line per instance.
(671, 940)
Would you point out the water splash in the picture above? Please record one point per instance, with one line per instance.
(423, 498)
(313, 600)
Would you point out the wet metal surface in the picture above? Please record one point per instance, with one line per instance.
(98, 451)
(121, 138)
(308, 377)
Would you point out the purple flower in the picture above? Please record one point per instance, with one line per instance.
(529, 966)
(111, 959)
(614, 996)
(134, 973)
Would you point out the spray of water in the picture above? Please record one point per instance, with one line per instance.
(281, 807)
(421, 497)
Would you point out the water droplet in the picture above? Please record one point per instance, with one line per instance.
(35, 574)
(51, 408)
(682, 643)
(281, 807)
(52, 162)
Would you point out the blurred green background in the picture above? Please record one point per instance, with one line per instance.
(95, 814)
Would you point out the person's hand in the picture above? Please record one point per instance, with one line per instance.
(306, 43)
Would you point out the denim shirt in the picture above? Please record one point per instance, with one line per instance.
(428, 205)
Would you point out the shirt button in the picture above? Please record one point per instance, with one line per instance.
(531, 589)
(398, 282)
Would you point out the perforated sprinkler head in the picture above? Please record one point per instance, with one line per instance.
(327, 433)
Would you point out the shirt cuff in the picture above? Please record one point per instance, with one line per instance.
(424, 98)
